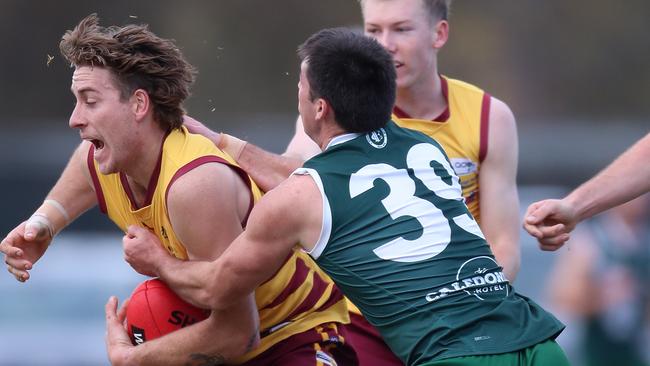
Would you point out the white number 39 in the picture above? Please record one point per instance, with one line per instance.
(401, 201)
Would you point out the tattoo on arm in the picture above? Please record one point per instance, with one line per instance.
(198, 359)
(252, 339)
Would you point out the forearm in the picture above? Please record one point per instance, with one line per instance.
(73, 189)
(224, 336)
(508, 257)
(191, 280)
(624, 179)
(500, 224)
(267, 169)
(233, 276)
(71, 195)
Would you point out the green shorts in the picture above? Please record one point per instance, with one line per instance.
(542, 354)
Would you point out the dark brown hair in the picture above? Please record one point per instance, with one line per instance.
(354, 74)
(138, 59)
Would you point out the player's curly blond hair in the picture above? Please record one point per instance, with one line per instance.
(138, 59)
(437, 9)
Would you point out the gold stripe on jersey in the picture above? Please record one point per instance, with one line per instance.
(297, 298)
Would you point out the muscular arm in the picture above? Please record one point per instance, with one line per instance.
(551, 221)
(26, 243)
(206, 207)
(275, 225)
(499, 201)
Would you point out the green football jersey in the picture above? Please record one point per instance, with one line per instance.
(399, 241)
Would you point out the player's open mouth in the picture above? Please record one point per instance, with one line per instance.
(97, 143)
(398, 65)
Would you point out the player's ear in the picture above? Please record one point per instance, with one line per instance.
(323, 109)
(440, 34)
(140, 103)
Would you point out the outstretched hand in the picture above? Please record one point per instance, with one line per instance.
(25, 245)
(118, 343)
(144, 251)
(550, 221)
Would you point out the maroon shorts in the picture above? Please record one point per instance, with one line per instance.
(369, 345)
(324, 345)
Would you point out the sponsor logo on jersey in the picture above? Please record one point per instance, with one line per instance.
(479, 277)
(463, 166)
(377, 139)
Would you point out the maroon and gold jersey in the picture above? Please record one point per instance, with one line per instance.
(462, 130)
(297, 298)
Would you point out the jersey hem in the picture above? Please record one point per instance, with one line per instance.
(500, 350)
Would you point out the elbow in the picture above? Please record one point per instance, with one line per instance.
(211, 294)
(239, 345)
(513, 271)
(245, 343)
(247, 338)
(209, 297)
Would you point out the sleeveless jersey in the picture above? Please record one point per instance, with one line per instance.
(299, 296)
(462, 130)
(400, 243)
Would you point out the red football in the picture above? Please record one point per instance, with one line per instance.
(155, 310)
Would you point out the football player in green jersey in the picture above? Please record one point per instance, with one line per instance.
(381, 211)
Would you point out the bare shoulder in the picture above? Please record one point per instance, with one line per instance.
(206, 207)
(292, 209)
(209, 176)
(210, 184)
(501, 115)
(296, 194)
(502, 136)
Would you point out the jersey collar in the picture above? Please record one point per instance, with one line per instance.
(341, 139)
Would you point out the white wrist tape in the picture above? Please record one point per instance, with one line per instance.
(41, 219)
(60, 208)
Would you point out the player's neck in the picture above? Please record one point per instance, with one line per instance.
(146, 158)
(329, 132)
(423, 99)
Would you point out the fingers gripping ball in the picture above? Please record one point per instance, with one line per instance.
(155, 310)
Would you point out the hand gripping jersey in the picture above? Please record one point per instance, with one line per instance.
(299, 296)
(399, 241)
